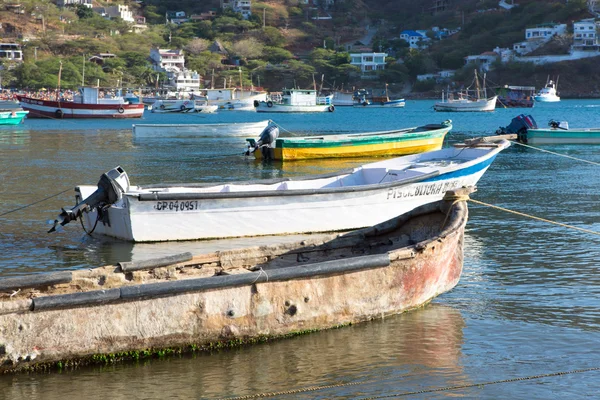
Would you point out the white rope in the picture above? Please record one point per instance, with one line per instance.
(260, 272)
(556, 154)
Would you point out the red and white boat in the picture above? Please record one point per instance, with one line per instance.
(86, 104)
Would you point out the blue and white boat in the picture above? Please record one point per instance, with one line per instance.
(344, 200)
(548, 94)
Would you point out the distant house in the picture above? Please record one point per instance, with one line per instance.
(176, 17)
(65, 3)
(241, 6)
(415, 39)
(100, 57)
(11, 52)
(118, 11)
(536, 37)
(212, 14)
(172, 61)
(438, 76)
(584, 35)
(368, 62)
(483, 61)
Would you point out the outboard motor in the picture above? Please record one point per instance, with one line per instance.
(519, 125)
(111, 187)
(554, 124)
(265, 141)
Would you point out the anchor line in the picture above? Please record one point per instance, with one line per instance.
(433, 390)
(556, 154)
(534, 217)
(34, 203)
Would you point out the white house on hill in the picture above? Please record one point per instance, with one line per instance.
(535, 37)
(173, 63)
(584, 35)
(368, 62)
(241, 6)
(415, 39)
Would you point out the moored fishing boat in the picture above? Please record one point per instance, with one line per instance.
(199, 130)
(350, 199)
(87, 103)
(192, 301)
(296, 101)
(468, 100)
(366, 98)
(386, 143)
(515, 96)
(173, 106)
(12, 117)
(557, 132)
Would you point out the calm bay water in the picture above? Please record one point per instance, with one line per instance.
(528, 303)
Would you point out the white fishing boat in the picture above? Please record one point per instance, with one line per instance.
(199, 130)
(468, 100)
(548, 94)
(232, 99)
(342, 98)
(350, 199)
(296, 101)
(173, 105)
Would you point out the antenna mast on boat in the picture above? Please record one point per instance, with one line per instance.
(477, 84)
(59, 74)
(241, 82)
(83, 72)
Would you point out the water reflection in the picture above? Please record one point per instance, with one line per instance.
(428, 338)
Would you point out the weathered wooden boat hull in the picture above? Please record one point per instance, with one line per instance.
(67, 109)
(561, 136)
(370, 144)
(191, 130)
(7, 118)
(295, 287)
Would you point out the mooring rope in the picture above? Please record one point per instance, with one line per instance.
(281, 127)
(442, 389)
(471, 385)
(534, 217)
(556, 154)
(34, 203)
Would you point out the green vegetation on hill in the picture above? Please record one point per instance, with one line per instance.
(289, 48)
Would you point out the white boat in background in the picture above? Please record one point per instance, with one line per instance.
(253, 129)
(342, 98)
(467, 101)
(548, 94)
(296, 101)
(233, 99)
(174, 105)
(349, 199)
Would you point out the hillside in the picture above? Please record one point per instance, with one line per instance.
(291, 46)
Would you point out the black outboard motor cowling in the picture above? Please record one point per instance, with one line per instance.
(519, 125)
(111, 187)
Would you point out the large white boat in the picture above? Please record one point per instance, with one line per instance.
(232, 99)
(199, 130)
(296, 101)
(548, 94)
(468, 100)
(342, 98)
(87, 103)
(344, 200)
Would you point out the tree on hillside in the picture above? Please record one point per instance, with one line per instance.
(247, 49)
(83, 12)
(197, 46)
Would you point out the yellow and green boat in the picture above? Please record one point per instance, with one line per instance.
(370, 144)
